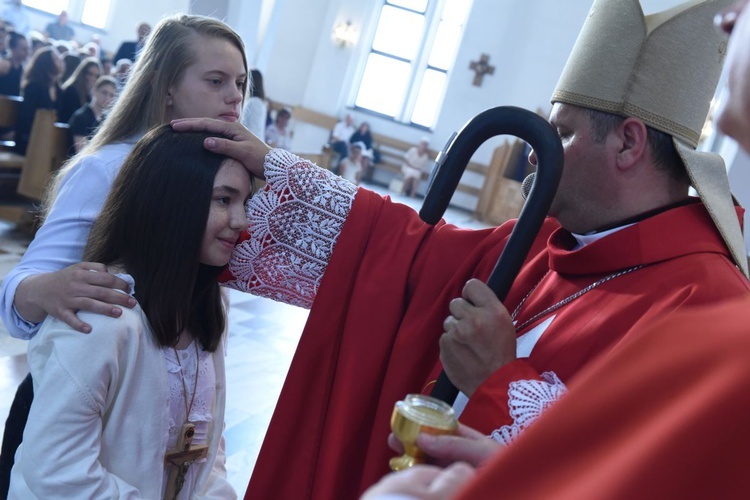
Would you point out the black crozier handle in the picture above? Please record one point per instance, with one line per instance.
(451, 164)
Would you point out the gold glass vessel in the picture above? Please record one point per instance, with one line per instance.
(419, 413)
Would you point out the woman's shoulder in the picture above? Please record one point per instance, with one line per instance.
(105, 330)
(108, 156)
(97, 167)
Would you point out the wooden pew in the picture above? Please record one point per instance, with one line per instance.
(392, 150)
(11, 163)
(9, 105)
(47, 152)
(23, 179)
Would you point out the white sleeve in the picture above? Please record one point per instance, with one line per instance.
(218, 486)
(293, 226)
(59, 457)
(61, 240)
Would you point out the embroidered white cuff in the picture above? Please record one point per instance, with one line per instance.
(527, 400)
(293, 225)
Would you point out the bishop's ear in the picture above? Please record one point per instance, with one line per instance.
(633, 135)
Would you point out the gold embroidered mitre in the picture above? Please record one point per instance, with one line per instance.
(663, 69)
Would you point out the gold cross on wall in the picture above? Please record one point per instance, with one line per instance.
(481, 68)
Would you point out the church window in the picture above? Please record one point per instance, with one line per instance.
(411, 51)
(92, 13)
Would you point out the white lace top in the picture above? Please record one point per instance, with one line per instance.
(200, 413)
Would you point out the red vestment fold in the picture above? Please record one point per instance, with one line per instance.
(664, 415)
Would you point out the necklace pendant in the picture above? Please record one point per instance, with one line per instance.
(185, 439)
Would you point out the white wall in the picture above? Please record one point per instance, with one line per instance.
(124, 17)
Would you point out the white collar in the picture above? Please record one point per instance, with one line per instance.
(586, 239)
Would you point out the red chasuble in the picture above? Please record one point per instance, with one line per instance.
(664, 416)
(372, 334)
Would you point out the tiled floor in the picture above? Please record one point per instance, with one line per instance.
(262, 338)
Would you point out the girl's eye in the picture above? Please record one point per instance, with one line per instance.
(214, 81)
(223, 200)
(240, 85)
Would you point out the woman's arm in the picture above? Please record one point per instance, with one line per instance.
(83, 286)
(44, 282)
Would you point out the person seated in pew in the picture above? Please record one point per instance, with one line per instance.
(87, 118)
(370, 155)
(121, 72)
(11, 67)
(11, 73)
(40, 90)
(106, 65)
(340, 137)
(60, 29)
(38, 41)
(278, 134)
(351, 167)
(76, 91)
(415, 163)
(130, 49)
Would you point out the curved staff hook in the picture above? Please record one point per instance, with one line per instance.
(451, 164)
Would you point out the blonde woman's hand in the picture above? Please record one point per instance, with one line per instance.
(86, 286)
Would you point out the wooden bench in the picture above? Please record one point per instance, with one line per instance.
(9, 105)
(391, 150)
(498, 197)
(24, 179)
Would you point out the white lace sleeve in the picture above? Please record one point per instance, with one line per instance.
(527, 400)
(293, 225)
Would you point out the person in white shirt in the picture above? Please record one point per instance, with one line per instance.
(278, 134)
(152, 398)
(352, 166)
(340, 136)
(415, 162)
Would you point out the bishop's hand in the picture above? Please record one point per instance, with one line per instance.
(237, 142)
(479, 337)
